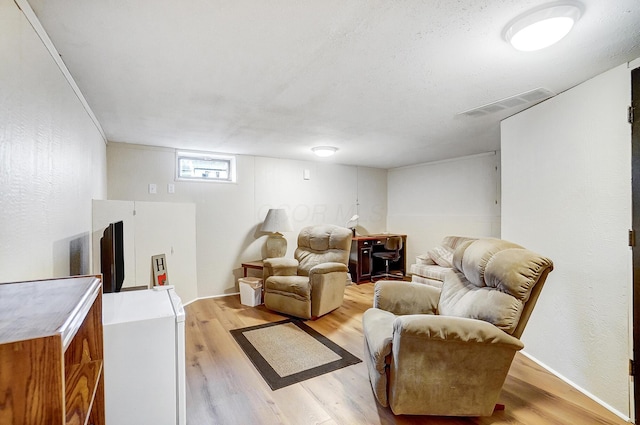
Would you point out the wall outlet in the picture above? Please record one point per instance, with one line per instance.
(153, 189)
(171, 188)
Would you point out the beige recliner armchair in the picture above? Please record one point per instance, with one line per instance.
(447, 351)
(313, 283)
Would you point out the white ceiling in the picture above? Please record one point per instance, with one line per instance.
(382, 80)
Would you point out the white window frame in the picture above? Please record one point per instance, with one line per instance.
(198, 155)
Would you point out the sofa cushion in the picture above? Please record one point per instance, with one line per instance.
(441, 256)
(297, 287)
(424, 259)
(431, 271)
(425, 266)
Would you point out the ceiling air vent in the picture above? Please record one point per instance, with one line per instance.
(527, 99)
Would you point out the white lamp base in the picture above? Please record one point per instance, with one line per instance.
(276, 246)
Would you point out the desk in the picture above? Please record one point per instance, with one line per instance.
(362, 264)
(257, 265)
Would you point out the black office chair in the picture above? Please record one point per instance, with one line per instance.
(392, 247)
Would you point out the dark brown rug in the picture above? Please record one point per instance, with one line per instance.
(289, 351)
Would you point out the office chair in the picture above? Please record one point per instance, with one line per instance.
(392, 247)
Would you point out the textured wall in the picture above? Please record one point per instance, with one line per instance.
(566, 193)
(433, 200)
(52, 160)
(229, 216)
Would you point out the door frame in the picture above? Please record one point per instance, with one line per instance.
(634, 119)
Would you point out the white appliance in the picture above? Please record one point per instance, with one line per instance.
(144, 360)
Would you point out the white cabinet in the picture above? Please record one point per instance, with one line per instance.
(151, 228)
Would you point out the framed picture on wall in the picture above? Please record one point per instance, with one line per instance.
(160, 274)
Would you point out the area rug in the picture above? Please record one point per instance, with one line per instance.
(289, 351)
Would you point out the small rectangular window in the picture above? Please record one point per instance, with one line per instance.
(203, 166)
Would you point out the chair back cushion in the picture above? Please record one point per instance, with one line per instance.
(322, 244)
(453, 242)
(495, 281)
(393, 243)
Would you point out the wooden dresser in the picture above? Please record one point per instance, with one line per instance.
(51, 352)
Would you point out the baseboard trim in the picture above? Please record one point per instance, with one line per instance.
(578, 387)
(212, 296)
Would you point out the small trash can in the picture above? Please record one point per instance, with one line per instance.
(250, 291)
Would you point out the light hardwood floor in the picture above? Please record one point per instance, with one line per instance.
(224, 388)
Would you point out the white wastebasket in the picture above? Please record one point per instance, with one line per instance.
(250, 291)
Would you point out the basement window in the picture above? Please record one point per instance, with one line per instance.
(204, 166)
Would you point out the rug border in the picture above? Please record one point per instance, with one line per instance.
(270, 376)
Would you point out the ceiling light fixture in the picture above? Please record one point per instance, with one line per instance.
(543, 26)
(324, 151)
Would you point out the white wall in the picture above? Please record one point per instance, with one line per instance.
(151, 228)
(229, 216)
(454, 197)
(566, 193)
(52, 160)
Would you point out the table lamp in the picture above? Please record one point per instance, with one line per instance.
(276, 221)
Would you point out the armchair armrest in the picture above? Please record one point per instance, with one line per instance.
(453, 329)
(279, 267)
(328, 281)
(399, 297)
(324, 268)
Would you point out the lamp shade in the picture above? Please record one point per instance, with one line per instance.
(277, 220)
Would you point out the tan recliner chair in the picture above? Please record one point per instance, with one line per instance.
(447, 351)
(313, 283)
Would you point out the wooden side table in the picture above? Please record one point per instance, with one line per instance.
(256, 265)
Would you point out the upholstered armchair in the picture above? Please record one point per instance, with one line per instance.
(447, 351)
(311, 284)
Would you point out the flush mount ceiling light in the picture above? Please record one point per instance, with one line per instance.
(324, 151)
(542, 26)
